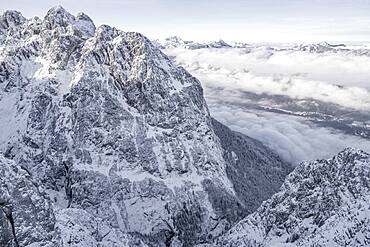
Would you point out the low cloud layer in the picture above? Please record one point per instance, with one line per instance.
(337, 78)
(343, 79)
(295, 140)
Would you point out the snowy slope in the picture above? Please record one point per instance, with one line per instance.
(118, 136)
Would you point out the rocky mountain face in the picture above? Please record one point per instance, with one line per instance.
(26, 215)
(321, 203)
(105, 142)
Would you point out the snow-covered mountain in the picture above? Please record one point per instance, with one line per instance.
(106, 142)
(321, 203)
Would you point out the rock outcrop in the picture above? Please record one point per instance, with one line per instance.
(321, 203)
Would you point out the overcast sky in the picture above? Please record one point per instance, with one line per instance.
(241, 20)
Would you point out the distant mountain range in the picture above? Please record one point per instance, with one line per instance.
(174, 41)
(177, 42)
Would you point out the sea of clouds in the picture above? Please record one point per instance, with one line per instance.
(338, 78)
(291, 137)
(341, 78)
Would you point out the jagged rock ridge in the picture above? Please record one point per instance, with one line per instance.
(117, 141)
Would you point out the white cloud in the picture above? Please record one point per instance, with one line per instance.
(295, 74)
(292, 138)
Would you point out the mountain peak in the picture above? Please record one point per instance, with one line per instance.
(11, 18)
(58, 16)
(83, 16)
(58, 10)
